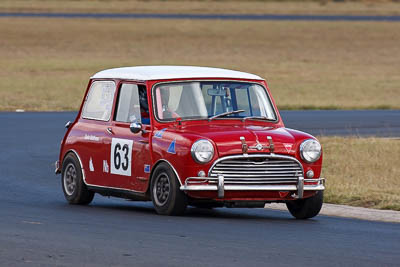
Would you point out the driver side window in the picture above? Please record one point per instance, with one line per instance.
(132, 104)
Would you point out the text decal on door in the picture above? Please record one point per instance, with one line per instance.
(121, 156)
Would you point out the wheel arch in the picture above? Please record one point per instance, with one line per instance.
(73, 152)
(155, 167)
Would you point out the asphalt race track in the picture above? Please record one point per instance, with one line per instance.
(38, 228)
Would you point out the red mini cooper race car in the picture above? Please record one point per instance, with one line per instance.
(179, 136)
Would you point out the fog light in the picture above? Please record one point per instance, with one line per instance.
(310, 174)
(201, 174)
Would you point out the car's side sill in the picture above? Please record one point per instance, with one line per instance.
(121, 193)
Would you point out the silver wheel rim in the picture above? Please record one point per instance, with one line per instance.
(161, 189)
(70, 179)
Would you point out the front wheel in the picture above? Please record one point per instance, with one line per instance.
(167, 198)
(306, 208)
(75, 190)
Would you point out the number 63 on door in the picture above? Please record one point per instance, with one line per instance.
(121, 156)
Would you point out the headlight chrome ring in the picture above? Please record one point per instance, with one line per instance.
(202, 151)
(310, 150)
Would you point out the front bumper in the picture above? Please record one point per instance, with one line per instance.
(200, 184)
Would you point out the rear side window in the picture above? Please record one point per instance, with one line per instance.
(98, 104)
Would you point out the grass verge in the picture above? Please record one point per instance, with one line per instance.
(377, 7)
(362, 172)
(46, 63)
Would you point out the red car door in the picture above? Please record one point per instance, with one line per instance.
(130, 157)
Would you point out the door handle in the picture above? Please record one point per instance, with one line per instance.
(109, 130)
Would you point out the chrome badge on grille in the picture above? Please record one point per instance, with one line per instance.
(259, 146)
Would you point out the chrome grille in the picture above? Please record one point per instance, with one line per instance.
(257, 170)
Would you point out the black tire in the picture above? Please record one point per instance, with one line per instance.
(167, 198)
(306, 208)
(75, 190)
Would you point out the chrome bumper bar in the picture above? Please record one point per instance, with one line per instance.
(197, 184)
(57, 167)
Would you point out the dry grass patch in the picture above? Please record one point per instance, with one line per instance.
(380, 7)
(362, 172)
(46, 63)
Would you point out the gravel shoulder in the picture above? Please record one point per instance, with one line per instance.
(350, 212)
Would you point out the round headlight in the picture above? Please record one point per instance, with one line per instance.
(310, 150)
(202, 151)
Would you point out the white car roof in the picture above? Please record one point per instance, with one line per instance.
(144, 73)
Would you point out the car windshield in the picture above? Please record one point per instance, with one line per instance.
(204, 100)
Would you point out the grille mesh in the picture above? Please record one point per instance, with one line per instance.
(258, 171)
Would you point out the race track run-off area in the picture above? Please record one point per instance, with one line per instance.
(38, 227)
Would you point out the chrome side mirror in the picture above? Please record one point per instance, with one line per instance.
(135, 127)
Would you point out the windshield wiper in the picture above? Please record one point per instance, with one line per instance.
(257, 118)
(226, 114)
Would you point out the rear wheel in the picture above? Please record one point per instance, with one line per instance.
(75, 190)
(167, 198)
(306, 208)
